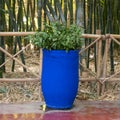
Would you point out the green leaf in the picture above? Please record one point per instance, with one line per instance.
(58, 36)
(3, 90)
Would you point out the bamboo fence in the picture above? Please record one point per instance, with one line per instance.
(100, 76)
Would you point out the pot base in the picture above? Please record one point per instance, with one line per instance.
(59, 107)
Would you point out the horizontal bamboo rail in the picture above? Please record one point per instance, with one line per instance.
(30, 33)
(16, 33)
(19, 79)
(91, 79)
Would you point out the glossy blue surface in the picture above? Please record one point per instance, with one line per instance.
(60, 78)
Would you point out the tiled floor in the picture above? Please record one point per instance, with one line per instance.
(82, 110)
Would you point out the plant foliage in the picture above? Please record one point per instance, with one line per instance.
(57, 36)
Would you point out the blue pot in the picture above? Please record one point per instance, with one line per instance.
(60, 77)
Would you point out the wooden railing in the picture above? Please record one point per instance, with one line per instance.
(99, 76)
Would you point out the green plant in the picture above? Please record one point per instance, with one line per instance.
(57, 36)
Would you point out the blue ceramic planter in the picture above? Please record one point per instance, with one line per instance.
(60, 77)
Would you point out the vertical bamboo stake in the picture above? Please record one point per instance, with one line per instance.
(98, 59)
(105, 58)
(40, 70)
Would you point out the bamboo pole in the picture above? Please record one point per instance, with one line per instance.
(91, 79)
(107, 79)
(12, 57)
(98, 59)
(15, 55)
(30, 33)
(16, 33)
(112, 37)
(19, 80)
(104, 62)
(90, 45)
(115, 35)
(88, 70)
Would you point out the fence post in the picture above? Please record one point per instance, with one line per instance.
(105, 58)
(98, 59)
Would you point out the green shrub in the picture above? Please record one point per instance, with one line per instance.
(57, 36)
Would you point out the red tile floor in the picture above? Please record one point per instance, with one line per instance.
(82, 110)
